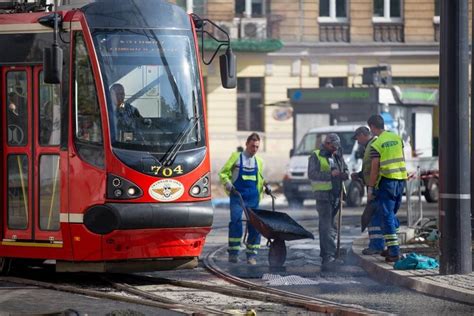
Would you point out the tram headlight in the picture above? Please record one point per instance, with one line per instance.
(201, 187)
(119, 188)
(131, 191)
(195, 190)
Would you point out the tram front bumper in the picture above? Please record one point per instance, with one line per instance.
(106, 218)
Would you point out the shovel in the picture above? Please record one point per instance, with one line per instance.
(339, 222)
(367, 215)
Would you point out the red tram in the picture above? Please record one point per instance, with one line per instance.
(104, 145)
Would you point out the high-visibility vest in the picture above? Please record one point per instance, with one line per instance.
(325, 167)
(367, 162)
(392, 161)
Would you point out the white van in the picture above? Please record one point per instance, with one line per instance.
(296, 185)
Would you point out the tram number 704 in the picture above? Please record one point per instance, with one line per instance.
(167, 172)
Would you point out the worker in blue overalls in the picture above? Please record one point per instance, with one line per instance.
(242, 173)
(376, 240)
(388, 174)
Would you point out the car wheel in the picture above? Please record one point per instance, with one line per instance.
(295, 202)
(431, 190)
(355, 194)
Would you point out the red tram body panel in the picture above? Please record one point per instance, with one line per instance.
(111, 166)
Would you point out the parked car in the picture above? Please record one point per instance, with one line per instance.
(297, 186)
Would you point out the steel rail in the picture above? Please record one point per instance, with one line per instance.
(154, 297)
(293, 299)
(182, 308)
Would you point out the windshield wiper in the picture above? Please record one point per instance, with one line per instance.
(171, 153)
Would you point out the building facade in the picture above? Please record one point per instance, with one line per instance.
(282, 44)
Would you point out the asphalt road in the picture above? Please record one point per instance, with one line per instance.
(351, 286)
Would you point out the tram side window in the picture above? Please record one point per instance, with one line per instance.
(88, 126)
(50, 113)
(50, 183)
(17, 108)
(18, 191)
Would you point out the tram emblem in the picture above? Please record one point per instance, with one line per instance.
(166, 190)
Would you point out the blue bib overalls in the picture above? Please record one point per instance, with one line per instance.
(246, 185)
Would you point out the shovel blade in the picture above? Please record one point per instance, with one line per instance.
(367, 215)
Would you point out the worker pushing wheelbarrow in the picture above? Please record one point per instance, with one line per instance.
(276, 227)
(242, 177)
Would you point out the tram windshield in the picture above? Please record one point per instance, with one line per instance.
(152, 88)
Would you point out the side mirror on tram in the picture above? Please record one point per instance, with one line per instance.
(227, 64)
(292, 152)
(53, 64)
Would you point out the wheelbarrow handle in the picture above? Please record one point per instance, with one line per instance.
(242, 203)
(273, 202)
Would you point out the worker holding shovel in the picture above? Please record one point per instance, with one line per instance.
(327, 170)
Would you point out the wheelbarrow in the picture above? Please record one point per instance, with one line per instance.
(276, 227)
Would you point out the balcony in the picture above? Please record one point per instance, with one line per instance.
(389, 32)
(334, 32)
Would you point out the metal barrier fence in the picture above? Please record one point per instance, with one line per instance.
(413, 195)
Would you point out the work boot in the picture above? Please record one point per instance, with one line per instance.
(370, 251)
(252, 261)
(384, 253)
(392, 258)
(330, 260)
(233, 258)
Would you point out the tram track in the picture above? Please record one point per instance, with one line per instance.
(137, 298)
(285, 297)
(219, 294)
(142, 290)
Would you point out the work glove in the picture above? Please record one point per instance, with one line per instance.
(229, 187)
(268, 189)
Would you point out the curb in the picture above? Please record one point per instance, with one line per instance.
(423, 281)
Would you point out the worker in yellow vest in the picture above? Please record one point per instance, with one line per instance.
(327, 170)
(243, 173)
(376, 241)
(387, 181)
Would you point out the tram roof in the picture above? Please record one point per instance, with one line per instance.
(135, 14)
(126, 14)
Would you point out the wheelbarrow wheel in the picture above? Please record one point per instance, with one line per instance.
(277, 253)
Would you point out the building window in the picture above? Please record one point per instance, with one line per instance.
(253, 8)
(332, 10)
(250, 109)
(387, 10)
(437, 8)
(331, 82)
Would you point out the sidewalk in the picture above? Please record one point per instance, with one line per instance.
(453, 287)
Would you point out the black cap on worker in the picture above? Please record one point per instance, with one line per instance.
(362, 130)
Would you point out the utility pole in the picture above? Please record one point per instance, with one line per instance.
(472, 131)
(454, 164)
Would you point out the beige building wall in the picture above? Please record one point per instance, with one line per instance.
(301, 64)
(419, 25)
(360, 15)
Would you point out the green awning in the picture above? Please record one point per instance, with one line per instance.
(247, 45)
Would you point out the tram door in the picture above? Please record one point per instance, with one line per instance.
(31, 125)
